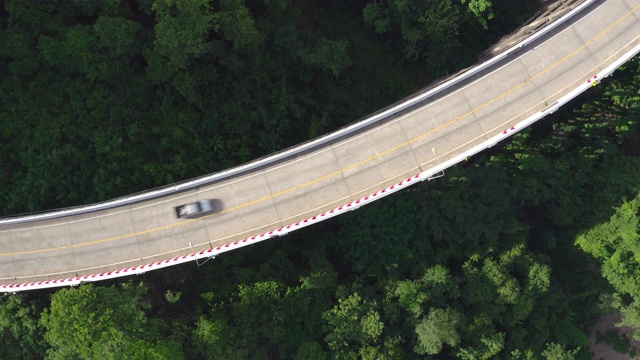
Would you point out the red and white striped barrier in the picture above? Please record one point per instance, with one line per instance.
(213, 251)
(194, 183)
(426, 175)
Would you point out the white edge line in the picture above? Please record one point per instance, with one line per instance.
(136, 270)
(314, 143)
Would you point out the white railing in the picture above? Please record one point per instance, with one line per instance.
(346, 131)
(426, 175)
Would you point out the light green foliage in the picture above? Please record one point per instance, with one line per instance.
(630, 314)
(481, 9)
(172, 296)
(275, 315)
(209, 338)
(436, 288)
(612, 240)
(558, 352)
(509, 285)
(440, 327)
(491, 346)
(616, 244)
(353, 326)
(523, 355)
(104, 322)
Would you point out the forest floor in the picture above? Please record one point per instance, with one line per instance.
(550, 12)
(605, 350)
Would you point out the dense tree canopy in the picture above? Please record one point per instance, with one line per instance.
(128, 95)
(616, 244)
(100, 99)
(104, 322)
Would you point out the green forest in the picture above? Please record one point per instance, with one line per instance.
(514, 254)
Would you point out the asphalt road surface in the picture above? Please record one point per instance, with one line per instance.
(337, 173)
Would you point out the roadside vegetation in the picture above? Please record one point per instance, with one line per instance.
(512, 255)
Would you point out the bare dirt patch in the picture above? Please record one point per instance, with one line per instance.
(604, 351)
(551, 11)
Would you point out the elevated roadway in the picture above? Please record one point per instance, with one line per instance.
(396, 148)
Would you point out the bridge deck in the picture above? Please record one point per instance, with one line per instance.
(524, 83)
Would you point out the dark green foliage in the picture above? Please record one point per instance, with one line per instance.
(127, 96)
(619, 343)
(365, 237)
(21, 332)
(441, 35)
(100, 99)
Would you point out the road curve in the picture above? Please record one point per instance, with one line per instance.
(405, 147)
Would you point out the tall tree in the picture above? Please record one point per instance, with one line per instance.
(105, 322)
(616, 244)
(354, 328)
(440, 327)
(21, 332)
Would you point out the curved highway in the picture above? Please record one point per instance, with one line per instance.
(408, 143)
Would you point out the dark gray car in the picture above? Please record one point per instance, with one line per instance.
(195, 209)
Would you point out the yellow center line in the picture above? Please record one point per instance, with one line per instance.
(335, 173)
